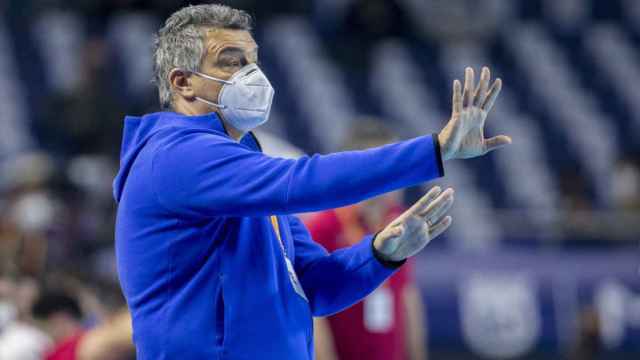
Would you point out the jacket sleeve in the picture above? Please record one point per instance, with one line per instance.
(205, 174)
(335, 281)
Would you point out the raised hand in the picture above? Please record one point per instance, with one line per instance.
(463, 136)
(416, 227)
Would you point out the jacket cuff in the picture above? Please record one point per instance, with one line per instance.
(386, 263)
(436, 145)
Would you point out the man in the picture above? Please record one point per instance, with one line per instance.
(211, 260)
(389, 323)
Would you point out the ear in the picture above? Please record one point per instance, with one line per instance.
(181, 84)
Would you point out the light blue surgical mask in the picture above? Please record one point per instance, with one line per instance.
(245, 99)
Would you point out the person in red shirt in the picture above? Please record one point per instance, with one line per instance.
(60, 316)
(388, 324)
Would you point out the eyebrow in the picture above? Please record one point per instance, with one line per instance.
(237, 49)
(231, 49)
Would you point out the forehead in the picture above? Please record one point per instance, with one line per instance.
(217, 39)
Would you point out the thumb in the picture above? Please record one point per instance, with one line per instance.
(496, 142)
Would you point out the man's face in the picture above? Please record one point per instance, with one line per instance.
(227, 51)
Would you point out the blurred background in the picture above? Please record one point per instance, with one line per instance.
(542, 260)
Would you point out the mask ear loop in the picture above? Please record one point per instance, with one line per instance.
(226, 82)
(219, 106)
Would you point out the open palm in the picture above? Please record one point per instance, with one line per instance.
(463, 136)
(415, 228)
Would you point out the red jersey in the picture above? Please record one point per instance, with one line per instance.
(65, 349)
(375, 327)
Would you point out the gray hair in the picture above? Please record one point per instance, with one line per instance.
(180, 43)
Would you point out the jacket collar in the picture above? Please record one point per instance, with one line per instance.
(211, 121)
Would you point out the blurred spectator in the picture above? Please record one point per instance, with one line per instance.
(574, 187)
(582, 220)
(29, 213)
(60, 315)
(19, 338)
(87, 119)
(625, 187)
(61, 318)
(387, 324)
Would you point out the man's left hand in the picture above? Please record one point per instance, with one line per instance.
(416, 227)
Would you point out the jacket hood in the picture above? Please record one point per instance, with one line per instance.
(138, 130)
(135, 134)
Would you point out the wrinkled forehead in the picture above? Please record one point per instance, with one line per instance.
(218, 39)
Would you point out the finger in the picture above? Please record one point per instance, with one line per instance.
(397, 231)
(457, 97)
(496, 142)
(440, 227)
(467, 95)
(439, 211)
(435, 206)
(492, 96)
(421, 204)
(481, 92)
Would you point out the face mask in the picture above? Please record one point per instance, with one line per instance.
(245, 99)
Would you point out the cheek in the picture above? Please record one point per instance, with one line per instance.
(208, 90)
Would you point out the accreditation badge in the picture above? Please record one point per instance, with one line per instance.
(294, 279)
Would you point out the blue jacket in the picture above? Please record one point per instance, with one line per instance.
(199, 261)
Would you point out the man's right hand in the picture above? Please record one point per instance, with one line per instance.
(463, 136)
